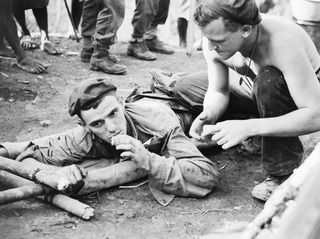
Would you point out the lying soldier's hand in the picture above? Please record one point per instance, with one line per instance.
(68, 179)
(197, 125)
(132, 149)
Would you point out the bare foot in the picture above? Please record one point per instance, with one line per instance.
(74, 37)
(28, 64)
(6, 52)
(49, 48)
(27, 43)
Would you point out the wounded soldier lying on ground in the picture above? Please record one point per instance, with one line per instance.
(146, 134)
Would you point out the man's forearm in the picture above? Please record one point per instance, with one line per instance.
(296, 123)
(35, 163)
(215, 104)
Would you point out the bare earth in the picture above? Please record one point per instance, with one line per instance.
(27, 100)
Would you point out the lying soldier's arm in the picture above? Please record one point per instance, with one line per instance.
(183, 170)
(178, 169)
(12, 150)
(69, 147)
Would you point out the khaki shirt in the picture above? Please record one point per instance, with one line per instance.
(177, 167)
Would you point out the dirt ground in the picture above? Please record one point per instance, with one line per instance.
(26, 100)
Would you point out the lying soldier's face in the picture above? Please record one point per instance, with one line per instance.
(107, 119)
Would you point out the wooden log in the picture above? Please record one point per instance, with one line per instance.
(287, 191)
(18, 168)
(27, 171)
(61, 201)
(98, 179)
(19, 193)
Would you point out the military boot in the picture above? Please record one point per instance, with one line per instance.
(102, 61)
(86, 54)
(139, 50)
(156, 45)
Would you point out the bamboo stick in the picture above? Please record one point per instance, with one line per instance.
(61, 201)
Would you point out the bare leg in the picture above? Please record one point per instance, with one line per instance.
(4, 50)
(41, 15)
(9, 31)
(26, 42)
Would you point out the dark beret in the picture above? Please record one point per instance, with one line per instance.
(89, 91)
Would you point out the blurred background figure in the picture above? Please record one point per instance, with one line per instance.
(76, 14)
(147, 16)
(8, 32)
(182, 21)
(101, 20)
(39, 9)
(265, 5)
(184, 13)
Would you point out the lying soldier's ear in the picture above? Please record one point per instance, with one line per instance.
(246, 30)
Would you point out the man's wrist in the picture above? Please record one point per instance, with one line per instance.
(34, 175)
(255, 128)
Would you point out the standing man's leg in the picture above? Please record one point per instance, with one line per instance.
(190, 90)
(108, 22)
(151, 38)
(8, 29)
(76, 12)
(4, 50)
(144, 14)
(91, 9)
(41, 15)
(280, 155)
(18, 8)
(182, 21)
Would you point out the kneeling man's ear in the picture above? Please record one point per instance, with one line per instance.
(246, 30)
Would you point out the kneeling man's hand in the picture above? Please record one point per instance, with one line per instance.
(132, 149)
(228, 133)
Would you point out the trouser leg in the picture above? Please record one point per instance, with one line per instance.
(91, 9)
(280, 155)
(144, 15)
(190, 90)
(76, 12)
(41, 15)
(159, 18)
(31, 4)
(19, 15)
(162, 13)
(9, 29)
(109, 20)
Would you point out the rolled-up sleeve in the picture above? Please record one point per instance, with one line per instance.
(182, 169)
(16, 148)
(69, 147)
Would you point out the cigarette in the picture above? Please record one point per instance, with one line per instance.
(112, 141)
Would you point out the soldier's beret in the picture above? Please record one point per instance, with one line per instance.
(87, 92)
